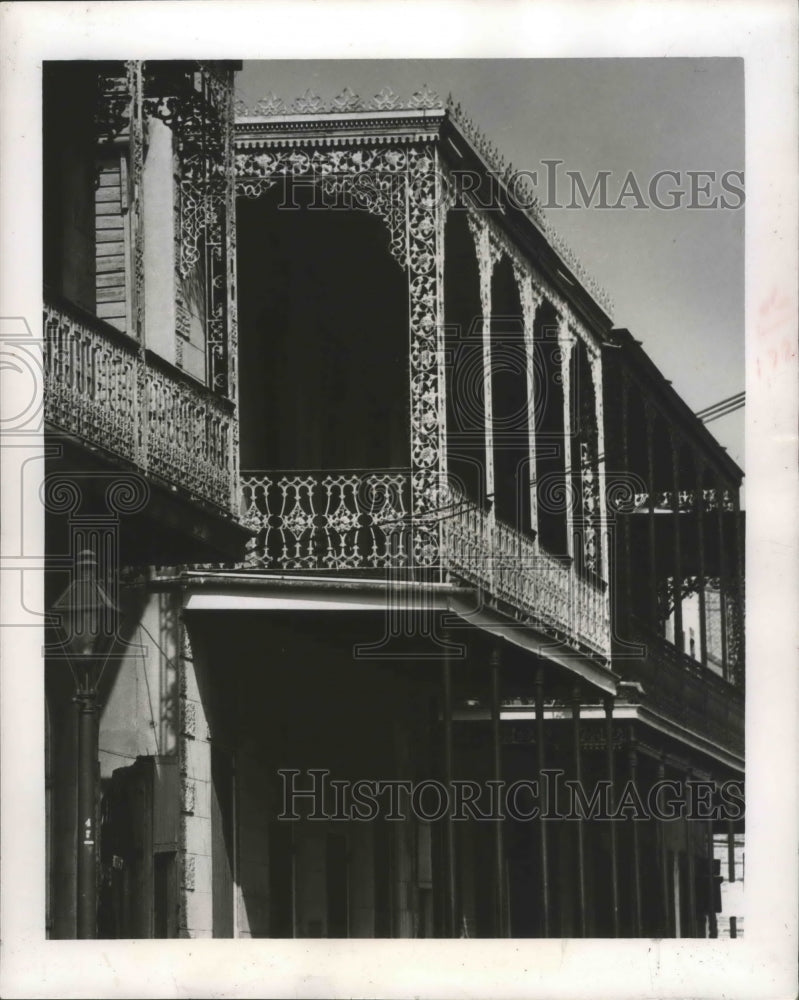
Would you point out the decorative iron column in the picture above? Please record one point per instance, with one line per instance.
(566, 344)
(577, 764)
(739, 591)
(632, 758)
(540, 762)
(665, 881)
(722, 578)
(626, 527)
(531, 299)
(500, 901)
(713, 929)
(611, 772)
(450, 909)
(700, 530)
(677, 566)
(486, 258)
(650, 462)
(602, 538)
(690, 840)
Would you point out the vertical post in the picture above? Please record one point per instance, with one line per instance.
(582, 901)
(87, 815)
(450, 913)
(633, 766)
(700, 530)
(485, 263)
(231, 331)
(614, 873)
(665, 874)
(739, 590)
(713, 929)
(676, 578)
(531, 299)
(539, 745)
(650, 461)
(566, 343)
(722, 578)
(625, 456)
(602, 528)
(496, 745)
(690, 841)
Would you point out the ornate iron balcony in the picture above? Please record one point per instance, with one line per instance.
(678, 686)
(360, 521)
(101, 387)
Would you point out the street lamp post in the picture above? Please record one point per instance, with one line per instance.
(87, 631)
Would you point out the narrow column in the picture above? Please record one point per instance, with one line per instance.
(722, 579)
(713, 928)
(636, 859)
(530, 299)
(690, 847)
(596, 377)
(87, 815)
(496, 745)
(539, 746)
(650, 461)
(566, 342)
(740, 585)
(700, 530)
(730, 851)
(677, 563)
(614, 873)
(666, 886)
(580, 828)
(450, 913)
(625, 454)
(485, 262)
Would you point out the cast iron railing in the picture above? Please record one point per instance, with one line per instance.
(102, 388)
(679, 687)
(360, 521)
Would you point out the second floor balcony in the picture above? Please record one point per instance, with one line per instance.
(360, 522)
(140, 412)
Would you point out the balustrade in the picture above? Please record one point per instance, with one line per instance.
(360, 521)
(102, 388)
(678, 686)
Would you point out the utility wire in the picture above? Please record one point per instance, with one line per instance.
(722, 408)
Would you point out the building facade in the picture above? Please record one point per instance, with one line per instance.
(398, 529)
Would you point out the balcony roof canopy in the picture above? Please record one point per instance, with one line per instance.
(308, 121)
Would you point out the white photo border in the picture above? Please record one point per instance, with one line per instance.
(763, 963)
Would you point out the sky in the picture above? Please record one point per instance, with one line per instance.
(676, 276)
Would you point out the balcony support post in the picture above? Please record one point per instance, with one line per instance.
(739, 591)
(566, 344)
(725, 667)
(582, 926)
(712, 921)
(614, 873)
(632, 757)
(700, 529)
(650, 462)
(531, 299)
(602, 528)
(500, 901)
(676, 578)
(690, 848)
(666, 876)
(626, 528)
(450, 909)
(487, 255)
(542, 823)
